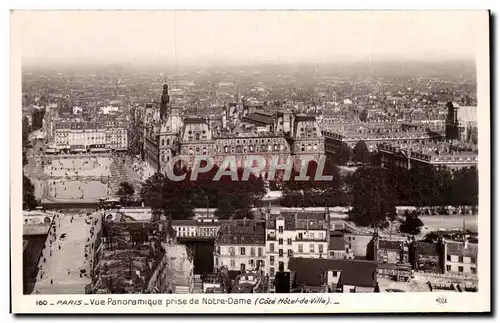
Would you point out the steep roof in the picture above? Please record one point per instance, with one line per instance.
(427, 248)
(309, 271)
(336, 243)
(390, 244)
(458, 249)
(258, 118)
(299, 220)
(242, 232)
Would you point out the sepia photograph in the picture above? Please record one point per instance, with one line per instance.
(275, 153)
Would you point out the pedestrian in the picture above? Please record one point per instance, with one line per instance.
(51, 281)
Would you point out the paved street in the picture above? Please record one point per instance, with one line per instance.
(65, 258)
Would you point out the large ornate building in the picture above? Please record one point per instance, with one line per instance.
(167, 132)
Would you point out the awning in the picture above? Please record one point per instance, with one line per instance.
(98, 150)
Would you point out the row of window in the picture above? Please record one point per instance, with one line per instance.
(312, 248)
(461, 259)
(197, 137)
(251, 148)
(243, 250)
(309, 147)
(300, 236)
(232, 263)
(192, 232)
(251, 262)
(251, 141)
(461, 269)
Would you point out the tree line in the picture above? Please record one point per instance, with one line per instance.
(315, 193)
(359, 155)
(376, 191)
(177, 199)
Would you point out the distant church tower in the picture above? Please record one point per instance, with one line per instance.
(165, 99)
(452, 132)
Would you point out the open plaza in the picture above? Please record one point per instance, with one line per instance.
(78, 190)
(79, 166)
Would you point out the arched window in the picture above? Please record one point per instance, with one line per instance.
(168, 141)
(163, 142)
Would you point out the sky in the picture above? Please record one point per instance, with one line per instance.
(232, 37)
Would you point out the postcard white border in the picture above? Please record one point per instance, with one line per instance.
(350, 303)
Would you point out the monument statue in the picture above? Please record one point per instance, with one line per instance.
(165, 99)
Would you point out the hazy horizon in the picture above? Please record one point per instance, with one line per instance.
(235, 38)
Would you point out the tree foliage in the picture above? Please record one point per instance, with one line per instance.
(429, 186)
(361, 153)
(125, 192)
(343, 155)
(29, 200)
(37, 117)
(179, 198)
(373, 198)
(314, 192)
(363, 116)
(412, 224)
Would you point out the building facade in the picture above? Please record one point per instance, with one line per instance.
(460, 257)
(199, 228)
(240, 245)
(295, 234)
(89, 136)
(275, 136)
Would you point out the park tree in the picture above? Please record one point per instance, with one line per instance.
(363, 116)
(313, 192)
(361, 153)
(373, 198)
(412, 224)
(431, 237)
(239, 195)
(152, 192)
(125, 192)
(26, 129)
(29, 200)
(178, 199)
(344, 154)
(465, 187)
(375, 159)
(37, 117)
